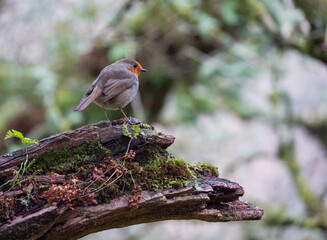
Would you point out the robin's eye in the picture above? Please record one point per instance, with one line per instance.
(134, 65)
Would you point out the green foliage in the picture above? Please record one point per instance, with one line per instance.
(131, 131)
(13, 133)
(121, 50)
(203, 63)
(19, 176)
(203, 57)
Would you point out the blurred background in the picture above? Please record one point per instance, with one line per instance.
(241, 84)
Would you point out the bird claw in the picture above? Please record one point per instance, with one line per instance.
(127, 120)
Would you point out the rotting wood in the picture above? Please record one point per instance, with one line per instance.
(206, 198)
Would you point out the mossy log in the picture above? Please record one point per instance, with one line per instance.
(121, 175)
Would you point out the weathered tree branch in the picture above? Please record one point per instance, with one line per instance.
(171, 188)
(110, 137)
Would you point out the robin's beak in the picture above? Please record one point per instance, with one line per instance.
(143, 70)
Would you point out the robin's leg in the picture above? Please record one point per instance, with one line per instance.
(105, 113)
(127, 120)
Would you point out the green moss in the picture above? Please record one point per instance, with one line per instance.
(161, 172)
(149, 127)
(205, 167)
(119, 149)
(113, 190)
(152, 169)
(148, 156)
(111, 175)
(227, 216)
(93, 125)
(68, 160)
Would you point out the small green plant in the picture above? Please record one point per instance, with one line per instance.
(133, 131)
(13, 133)
(18, 179)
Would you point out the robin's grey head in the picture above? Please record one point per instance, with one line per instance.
(132, 65)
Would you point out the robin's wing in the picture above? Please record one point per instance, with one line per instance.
(88, 97)
(89, 91)
(111, 81)
(113, 88)
(95, 90)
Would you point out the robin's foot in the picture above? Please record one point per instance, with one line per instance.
(127, 120)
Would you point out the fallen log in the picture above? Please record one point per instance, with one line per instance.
(107, 176)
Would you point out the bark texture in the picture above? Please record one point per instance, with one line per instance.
(204, 196)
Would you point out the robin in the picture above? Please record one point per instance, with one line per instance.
(115, 87)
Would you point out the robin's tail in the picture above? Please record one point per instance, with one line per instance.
(87, 100)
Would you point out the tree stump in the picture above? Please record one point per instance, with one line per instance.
(109, 175)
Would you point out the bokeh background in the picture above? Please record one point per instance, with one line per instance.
(241, 84)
